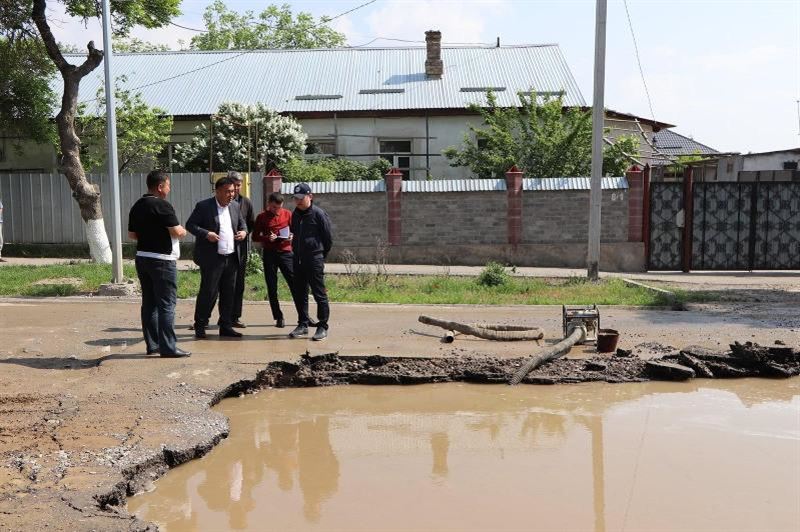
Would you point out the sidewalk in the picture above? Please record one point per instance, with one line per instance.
(778, 280)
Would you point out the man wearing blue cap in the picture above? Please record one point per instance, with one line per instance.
(311, 243)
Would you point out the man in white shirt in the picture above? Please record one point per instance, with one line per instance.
(216, 228)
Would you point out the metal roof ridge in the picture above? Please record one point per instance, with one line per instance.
(487, 46)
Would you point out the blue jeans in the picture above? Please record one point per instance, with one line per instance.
(159, 280)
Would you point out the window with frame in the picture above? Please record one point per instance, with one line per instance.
(398, 153)
(321, 147)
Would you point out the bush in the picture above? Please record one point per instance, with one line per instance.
(255, 266)
(333, 169)
(494, 274)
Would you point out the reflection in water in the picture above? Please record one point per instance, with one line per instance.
(586, 457)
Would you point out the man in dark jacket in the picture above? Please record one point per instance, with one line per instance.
(242, 246)
(311, 243)
(217, 225)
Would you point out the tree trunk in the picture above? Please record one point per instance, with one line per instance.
(85, 193)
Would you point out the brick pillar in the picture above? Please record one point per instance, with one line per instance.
(635, 203)
(394, 194)
(514, 205)
(272, 183)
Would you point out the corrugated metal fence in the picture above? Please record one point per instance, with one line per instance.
(39, 208)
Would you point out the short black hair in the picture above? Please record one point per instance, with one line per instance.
(275, 197)
(155, 178)
(223, 182)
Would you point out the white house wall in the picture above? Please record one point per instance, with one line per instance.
(358, 139)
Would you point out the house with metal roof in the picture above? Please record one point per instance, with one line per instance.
(404, 104)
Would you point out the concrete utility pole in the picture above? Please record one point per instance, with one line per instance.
(111, 134)
(598, 117)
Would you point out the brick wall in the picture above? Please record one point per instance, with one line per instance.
(358, 219)
(563, 216)
(454, 217)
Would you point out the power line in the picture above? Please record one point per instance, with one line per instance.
(322, 21)
(638, 60)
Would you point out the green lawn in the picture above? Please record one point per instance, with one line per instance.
(74, 279)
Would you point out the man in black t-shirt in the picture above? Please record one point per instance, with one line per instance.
(153, 224)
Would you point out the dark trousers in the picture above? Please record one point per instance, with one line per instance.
(159, 281)
(274, 261)
(217, 278)
(243, 249)
(310, 272)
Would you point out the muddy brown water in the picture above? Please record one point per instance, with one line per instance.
(707, 455)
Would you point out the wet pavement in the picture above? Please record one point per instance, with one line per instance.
(86, 418)
(652, 456)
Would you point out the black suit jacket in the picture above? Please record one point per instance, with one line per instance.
(204, 219)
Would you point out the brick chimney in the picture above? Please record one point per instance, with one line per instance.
(433, 62)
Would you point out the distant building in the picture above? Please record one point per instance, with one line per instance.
(402, 104)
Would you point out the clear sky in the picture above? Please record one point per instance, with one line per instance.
(725, 72)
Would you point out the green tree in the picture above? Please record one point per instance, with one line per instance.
(541, 137)
(619, 155)
(26, 99)
(142, 131)
(333, 169)
(275, 27)
(252, 137)
(28, 20)
(124, 45)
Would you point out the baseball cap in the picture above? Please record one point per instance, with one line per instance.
(301, 190)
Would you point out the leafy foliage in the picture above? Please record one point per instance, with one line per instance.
(541, 137)
(123, 45)
(142, 131)
(617, 156)
(127, 14)
(243, 135)
(333, 169)
(26, 99)
(275, 27)
(494, 274)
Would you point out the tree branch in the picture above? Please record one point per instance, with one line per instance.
(94, 59)
(50, 43)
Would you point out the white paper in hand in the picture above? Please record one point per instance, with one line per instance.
(284, 233)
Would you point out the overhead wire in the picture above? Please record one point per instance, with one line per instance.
(639, 60)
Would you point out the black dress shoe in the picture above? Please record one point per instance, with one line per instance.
(152, 351)
(179, 353)
(227, 331)
(320, 334)
(299, 331)
(238, 324)
(280, 324)
(200, 333)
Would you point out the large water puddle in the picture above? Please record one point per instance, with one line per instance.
(716, 455)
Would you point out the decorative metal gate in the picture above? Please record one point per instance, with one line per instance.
(721, 226)
(735, 226)
(666, 234)
(777, 226)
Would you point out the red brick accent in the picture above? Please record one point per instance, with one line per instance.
(514, 205)
(394, 194)
(272, 183)
(635, 204)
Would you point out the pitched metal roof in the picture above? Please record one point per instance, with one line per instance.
(670, 143)
(328, 80)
